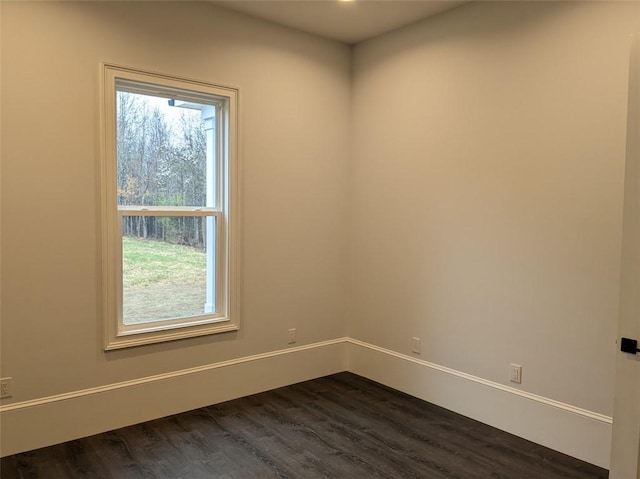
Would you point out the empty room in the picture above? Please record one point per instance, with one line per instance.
(320, 239)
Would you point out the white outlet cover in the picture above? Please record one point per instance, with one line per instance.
(5, 388)
(292, 335)
(515, 373)
(416, 345)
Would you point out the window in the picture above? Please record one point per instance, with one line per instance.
(169, 205)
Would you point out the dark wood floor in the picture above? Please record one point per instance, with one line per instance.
(341, 426)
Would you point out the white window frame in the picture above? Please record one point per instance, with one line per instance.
(118, 335)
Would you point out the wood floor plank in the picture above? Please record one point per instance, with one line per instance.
(340, 426)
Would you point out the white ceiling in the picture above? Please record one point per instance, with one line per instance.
(345, 21)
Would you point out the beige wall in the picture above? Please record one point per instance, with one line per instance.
(487, 188)
(294, 101)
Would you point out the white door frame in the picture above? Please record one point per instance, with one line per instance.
(625, 445)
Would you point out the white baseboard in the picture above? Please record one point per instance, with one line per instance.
(51, 420)
(42, 422)
(574, 431)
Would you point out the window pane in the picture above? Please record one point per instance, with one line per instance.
(168, 265)
(163, 150)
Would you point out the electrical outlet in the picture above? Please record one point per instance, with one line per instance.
(416, 345)
(515, 373)
(292, 335)
(5, 388)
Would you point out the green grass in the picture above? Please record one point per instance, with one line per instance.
(147, 263)
(161, 280)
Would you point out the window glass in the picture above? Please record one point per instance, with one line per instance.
(162, 150)
(164, 276)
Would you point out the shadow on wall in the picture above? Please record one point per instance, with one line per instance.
(497, 21)
(204, 31)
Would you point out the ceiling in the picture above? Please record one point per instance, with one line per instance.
(345, 21)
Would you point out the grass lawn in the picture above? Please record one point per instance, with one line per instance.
(161, 280)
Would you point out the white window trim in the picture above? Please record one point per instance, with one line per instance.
(116, 334)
